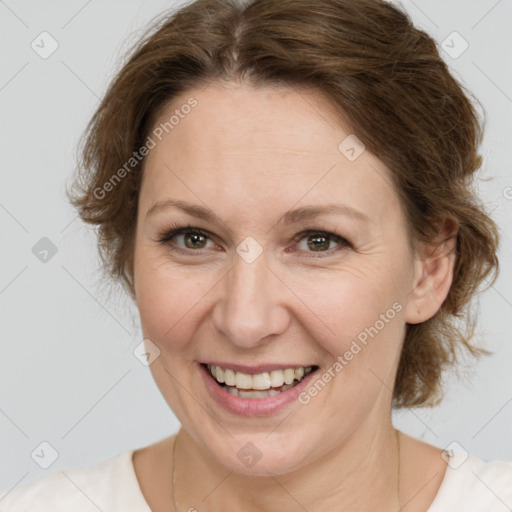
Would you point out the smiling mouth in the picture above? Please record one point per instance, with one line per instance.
(259, 385)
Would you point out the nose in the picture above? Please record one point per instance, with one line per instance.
(251, 311)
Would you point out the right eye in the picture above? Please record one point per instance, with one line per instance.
(193, 239)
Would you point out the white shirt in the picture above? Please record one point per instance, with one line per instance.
(469, 485)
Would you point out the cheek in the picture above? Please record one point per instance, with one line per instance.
(349, 302)
(364, 315)
(169, 302)
(365, 319)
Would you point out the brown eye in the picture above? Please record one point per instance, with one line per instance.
(194, 240)
(186, 239)
(320, 242)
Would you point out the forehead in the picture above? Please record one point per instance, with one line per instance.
(261, 149)
(235, 118)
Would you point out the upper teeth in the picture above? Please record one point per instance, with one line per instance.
(261, 381)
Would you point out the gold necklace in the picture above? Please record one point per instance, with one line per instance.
(174, 473)
(398, 469)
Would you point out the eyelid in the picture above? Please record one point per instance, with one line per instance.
(175, 230)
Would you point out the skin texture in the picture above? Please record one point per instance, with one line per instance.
(251, 155)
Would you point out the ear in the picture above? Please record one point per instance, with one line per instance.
(434, 266)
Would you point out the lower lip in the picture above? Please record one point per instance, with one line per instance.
(252, 406)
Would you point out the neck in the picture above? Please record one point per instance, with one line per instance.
(361, 474)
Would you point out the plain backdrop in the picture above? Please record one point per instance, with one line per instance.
(68, 375)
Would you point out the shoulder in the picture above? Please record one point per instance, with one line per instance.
(474, 485)
(109, 486)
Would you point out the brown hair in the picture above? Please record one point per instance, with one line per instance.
(395, 92)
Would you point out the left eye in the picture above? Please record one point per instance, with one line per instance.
(320, 241)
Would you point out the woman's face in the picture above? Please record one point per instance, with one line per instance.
(261, 282)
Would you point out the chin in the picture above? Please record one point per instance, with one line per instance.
(259, 454)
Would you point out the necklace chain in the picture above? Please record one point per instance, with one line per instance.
(174, 472)
(398, 470)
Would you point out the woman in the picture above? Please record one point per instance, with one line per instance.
(284, 188)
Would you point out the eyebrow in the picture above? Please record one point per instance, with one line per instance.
(290, 217)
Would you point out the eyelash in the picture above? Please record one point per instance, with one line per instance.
(175, 229)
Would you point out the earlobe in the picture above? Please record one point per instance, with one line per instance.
(434, 276)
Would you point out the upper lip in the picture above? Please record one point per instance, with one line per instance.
(254, 369)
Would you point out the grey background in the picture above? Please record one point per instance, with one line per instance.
(68, 373)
